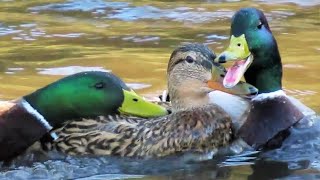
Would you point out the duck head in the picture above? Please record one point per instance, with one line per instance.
(90, 94)
(254, 51)
(192, 75)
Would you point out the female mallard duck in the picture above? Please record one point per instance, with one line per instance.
(82, 95)
(194, 124)
(256, 55)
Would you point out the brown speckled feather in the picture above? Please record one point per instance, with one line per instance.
(194, 126)
(197, 130)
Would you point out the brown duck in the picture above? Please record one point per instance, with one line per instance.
(195, 124)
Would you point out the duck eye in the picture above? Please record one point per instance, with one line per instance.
(189, 59)
(260, 25)
(99, 85)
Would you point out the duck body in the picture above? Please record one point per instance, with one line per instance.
(188, 130)
(195, 125)
(255, 52)
(264, 108)
(274, 114)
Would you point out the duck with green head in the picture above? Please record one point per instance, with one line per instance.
(255, 52)
(195, 124)
(82, 95)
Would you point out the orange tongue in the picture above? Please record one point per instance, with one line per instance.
(234, 74)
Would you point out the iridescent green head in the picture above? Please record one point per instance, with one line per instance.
(89, 94)
(255, 51)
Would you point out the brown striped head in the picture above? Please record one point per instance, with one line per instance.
(189, 70)
(192, 75)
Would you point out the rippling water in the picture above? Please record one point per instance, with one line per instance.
(42, 41)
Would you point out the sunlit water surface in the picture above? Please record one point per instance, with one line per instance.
(41, 41)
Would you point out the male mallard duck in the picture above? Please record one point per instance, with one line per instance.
(82, 95)
(256, 55)
(194, 124)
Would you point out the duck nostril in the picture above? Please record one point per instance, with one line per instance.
(253, 91)
(135, 99)
(222, 59)
(239, 44)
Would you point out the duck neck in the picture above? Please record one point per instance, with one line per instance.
(23, 104)
(52, 104)
(265, 73)
(22, 109)
(190, 94)
(43, 102)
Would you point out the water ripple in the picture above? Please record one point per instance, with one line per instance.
(31, 32)
(298, 2)
(138, 85)
(140, 39)
(68, 70)
(127, 12)
(5, 30)
(83, 5)
(14, 70)
(177, 14)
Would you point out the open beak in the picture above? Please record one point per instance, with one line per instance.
(237, 51)
(135, 105)
(241, 88)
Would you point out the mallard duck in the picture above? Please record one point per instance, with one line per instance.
(255, 52)
(194, 125)
(82, 95)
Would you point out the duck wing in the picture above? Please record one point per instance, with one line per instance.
(198, 130)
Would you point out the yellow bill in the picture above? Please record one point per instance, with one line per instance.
(135, 105)
(237, 51)
(241, 88)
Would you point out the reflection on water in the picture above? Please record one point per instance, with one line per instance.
(42, 41)
(68, 70)
(128, 12)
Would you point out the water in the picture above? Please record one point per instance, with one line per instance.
(42, 41)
